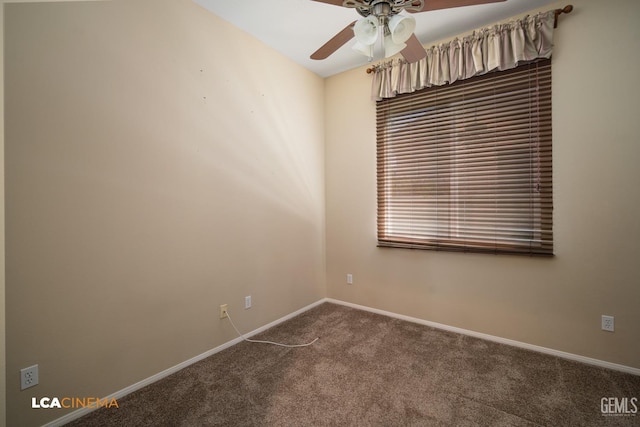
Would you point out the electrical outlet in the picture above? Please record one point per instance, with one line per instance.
(247, 302)
(223, 311)
(349, 279)
(607, 323)
(28, 377)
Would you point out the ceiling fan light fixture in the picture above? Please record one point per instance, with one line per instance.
(401, 27)
(366, 30)
(391, 47)
(364, 49)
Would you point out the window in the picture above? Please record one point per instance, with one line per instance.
(467, 166)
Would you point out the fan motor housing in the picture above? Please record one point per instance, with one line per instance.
(383, 8)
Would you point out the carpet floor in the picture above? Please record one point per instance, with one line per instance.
(372, 370)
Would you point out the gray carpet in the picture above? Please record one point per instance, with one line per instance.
(371, 370)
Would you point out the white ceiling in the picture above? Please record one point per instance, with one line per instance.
(297, 28)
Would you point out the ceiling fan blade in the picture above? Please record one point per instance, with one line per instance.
(414, 51)
(336, 2)
(335, 43)
(447, 4)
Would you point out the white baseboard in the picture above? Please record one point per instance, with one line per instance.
(539, 349)
(160, 375)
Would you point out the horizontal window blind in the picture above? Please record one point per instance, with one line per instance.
(468, 166)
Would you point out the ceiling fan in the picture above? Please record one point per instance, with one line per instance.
(381, 21)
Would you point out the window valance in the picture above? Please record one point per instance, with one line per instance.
(500, 47)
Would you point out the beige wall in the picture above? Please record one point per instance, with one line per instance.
(159, 163)
(555, 303)
(3, 378)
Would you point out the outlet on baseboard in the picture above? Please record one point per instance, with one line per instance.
(28, 377)
(607, 323)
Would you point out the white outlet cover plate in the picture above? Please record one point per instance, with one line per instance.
(28, 377)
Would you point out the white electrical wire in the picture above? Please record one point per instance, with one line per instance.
(266, 342)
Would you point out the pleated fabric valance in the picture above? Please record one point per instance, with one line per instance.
(500, 47)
